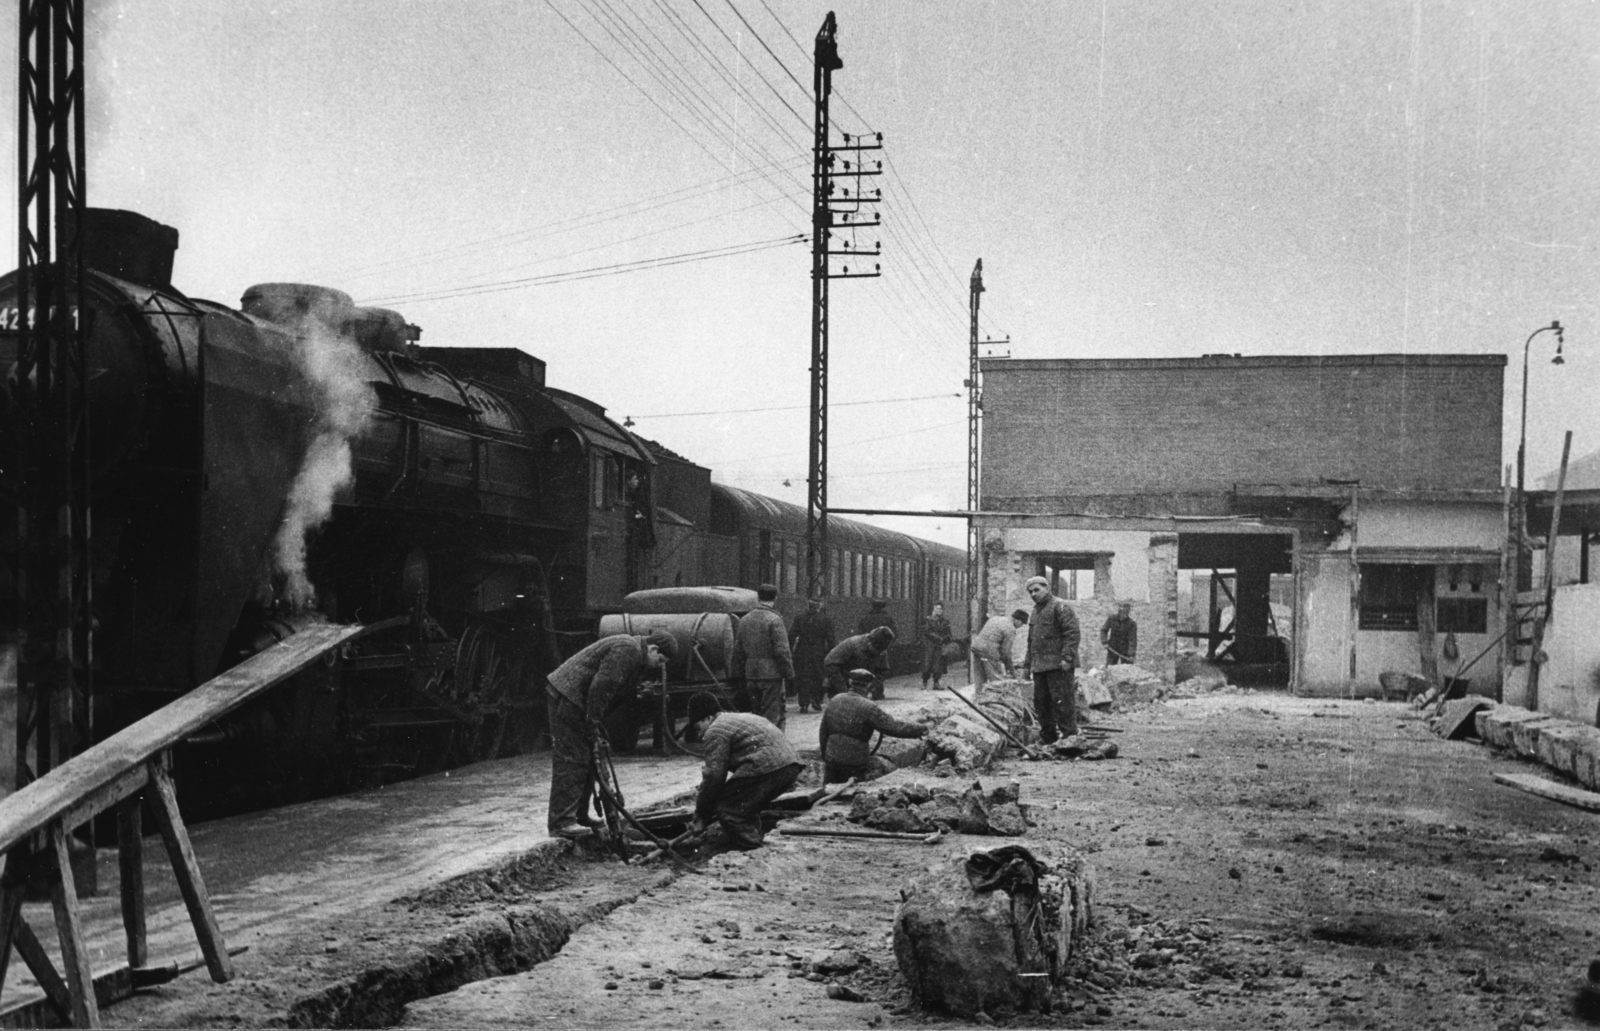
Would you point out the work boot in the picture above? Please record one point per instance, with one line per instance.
(572, 831)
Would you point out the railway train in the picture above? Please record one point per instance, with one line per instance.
(303, 458)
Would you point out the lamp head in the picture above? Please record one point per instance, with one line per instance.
(1560, 340)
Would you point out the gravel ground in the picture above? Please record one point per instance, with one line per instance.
(1264, 861)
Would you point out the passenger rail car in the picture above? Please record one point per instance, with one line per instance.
(863, 563)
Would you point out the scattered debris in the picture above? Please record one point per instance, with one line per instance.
(918, 809)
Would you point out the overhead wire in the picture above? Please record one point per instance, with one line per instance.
(573, 275)
(792, 408)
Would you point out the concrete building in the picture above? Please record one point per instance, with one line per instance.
(1364, 491)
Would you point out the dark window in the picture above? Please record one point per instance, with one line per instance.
(1389, 596)
(1463, 615)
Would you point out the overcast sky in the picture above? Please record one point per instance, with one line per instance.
(1140, 179)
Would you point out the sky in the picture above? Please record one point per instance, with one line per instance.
(618, 189)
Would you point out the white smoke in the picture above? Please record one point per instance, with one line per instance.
(335, 368)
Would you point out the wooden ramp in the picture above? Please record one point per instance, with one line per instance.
(36, 821)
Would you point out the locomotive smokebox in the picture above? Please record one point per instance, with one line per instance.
(124, 244)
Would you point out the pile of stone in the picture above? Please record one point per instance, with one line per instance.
(988, 955)
(963, 741)
(916, 808)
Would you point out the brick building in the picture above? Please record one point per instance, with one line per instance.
(1345, 513)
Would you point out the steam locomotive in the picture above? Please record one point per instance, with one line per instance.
(303, 458)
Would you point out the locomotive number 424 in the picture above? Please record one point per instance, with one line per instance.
(11, 318)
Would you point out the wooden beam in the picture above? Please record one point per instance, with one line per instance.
(56, 793)
(43, 970)
(10, 913)
(69, 932)
(130, 863)
(104, 797)
(1536, 785)
(187, 871)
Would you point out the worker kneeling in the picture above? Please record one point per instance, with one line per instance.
(749, 762)
(847, 725)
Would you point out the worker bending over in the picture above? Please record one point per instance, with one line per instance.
(749, 762)
(847, 725)
(863, 651)
(581, 692)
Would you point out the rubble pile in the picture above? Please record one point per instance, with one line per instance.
(916, 808)
(1126, 686)
(963, 741)
(991, 950)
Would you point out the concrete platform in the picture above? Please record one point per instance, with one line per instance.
(1563, 745)
(280, 874)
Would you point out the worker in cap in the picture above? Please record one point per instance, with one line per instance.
(879, 617)
(848, 721)
(1120, 635)
(761, 659)
(580, 694)
(748, 763)
(1053, 661)
(994, 643)
(863, 651)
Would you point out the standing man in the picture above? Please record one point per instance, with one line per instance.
(761, 656)
(863, 651)
(878, 617)
(749, 762)
(935, 635)
(994, 643)
(580, 693)
(847, 726)
(1053, 658)
(810, 643)
(1120, 635)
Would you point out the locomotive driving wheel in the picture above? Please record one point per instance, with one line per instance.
(483, 680)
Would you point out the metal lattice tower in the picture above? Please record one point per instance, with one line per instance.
(50, 467)
(835, 211)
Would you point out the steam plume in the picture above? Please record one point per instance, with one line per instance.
(334, 366)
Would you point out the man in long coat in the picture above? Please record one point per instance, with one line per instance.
(761, 656)
(580, 693)
(1053, 660)
(810, 641)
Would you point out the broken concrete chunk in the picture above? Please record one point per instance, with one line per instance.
(839, 961)
(966, 953)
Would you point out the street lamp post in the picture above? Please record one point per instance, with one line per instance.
(1522, 441)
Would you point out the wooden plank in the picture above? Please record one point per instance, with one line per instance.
(1536, 785)
(130, 863)
(187, 870)
(10, 911)
(43, 970)
(104, 797)
(69, 932)
(52, 795)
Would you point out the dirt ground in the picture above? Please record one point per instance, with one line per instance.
(1263, 861)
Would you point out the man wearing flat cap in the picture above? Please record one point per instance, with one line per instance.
(580, 693)
(761, 657)
(749, 762)
(863, 651)
(1053, 659)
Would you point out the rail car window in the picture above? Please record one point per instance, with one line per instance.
(602, 478)
(790, 568)
(764, 556)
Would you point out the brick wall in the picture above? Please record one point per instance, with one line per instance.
(1065, 428)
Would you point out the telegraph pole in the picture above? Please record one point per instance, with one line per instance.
(50, 467)
(977, 608)
(834, 206)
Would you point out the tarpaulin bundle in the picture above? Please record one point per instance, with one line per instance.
(1009, 867)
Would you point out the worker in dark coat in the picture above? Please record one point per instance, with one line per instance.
(1120, 635)
(761, 658)
(847, 726)
(935, 635)
(1052, 659)
(878, 617)
(810, 641)
(859, 652)
(748, 763)
(580, 693)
